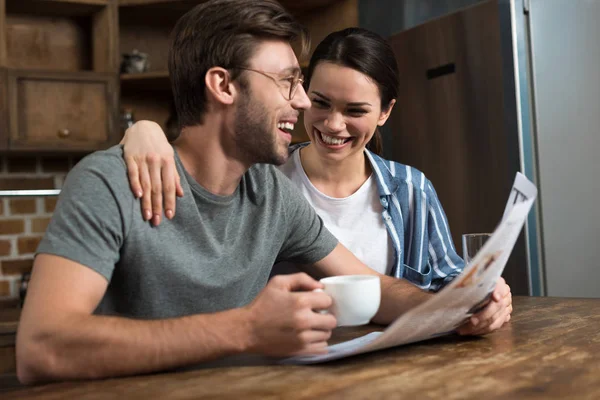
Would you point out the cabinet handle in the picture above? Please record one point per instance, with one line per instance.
(64, 133)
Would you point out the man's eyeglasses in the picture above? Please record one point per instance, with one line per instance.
(288, 83)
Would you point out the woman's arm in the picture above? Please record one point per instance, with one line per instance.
(151, 168)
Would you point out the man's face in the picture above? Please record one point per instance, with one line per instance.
(265, 116)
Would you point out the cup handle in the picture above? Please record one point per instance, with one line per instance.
(324, 311)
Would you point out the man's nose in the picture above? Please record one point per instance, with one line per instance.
(300, 101)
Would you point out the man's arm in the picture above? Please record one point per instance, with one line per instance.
(397, 295)
(59, 337)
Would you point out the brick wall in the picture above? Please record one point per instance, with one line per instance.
(23, 220)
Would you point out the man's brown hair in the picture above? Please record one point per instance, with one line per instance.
(223, 33)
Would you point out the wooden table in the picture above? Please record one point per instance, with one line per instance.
(550, 350)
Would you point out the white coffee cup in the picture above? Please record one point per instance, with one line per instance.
(356, 298)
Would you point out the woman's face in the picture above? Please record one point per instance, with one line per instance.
(345, 110)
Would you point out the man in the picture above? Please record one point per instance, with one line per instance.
(111, 295)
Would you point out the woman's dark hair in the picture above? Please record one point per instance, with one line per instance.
(367, 53)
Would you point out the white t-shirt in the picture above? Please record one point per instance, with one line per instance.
(355, 220)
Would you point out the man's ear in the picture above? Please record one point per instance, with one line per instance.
(385, 114)
(219, 85)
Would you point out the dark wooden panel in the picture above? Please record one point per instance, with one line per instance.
(4, 132)
(150, 105)
(53, 43)
(146, 81)
(2, 33)
(62, 111)
(449, 121)
(326, 19)
(8, 362)
(105, 34)
(149, 35)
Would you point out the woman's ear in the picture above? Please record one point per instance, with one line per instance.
(219, 85)
(385, 113)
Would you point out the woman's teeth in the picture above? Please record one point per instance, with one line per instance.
(285, 126)
(331, 140)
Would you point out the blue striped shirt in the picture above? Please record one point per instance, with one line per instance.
(424, 253)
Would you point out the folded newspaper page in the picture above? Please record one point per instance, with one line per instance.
(466, 295)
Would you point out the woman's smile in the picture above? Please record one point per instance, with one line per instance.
(331, 141)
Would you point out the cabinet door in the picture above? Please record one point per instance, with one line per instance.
(3, 110)
(60, 111)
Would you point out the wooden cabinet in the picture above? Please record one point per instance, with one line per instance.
(3, 109)
(59, 66)
(59, 75)
(73, 111)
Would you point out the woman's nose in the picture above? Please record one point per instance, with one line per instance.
(335, 122)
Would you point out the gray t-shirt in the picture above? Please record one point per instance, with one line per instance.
(216, 254)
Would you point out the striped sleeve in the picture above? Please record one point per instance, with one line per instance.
(443, 258)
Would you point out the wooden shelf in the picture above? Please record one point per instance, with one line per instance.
(146, 81)
(145, 76)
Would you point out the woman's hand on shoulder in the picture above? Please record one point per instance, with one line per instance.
(151, 169)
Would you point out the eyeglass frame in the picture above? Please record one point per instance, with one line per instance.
(293, 85)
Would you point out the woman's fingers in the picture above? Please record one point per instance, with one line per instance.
(156, 192)
(134, 177)
(170, 180)
(155, 180)
(146, 187)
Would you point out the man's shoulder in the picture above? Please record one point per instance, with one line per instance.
(103, 159)
(108, 160)
(105, 165)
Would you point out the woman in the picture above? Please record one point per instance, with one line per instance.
(386, 213)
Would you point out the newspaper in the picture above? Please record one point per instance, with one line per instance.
(466, 295)
(522, 189)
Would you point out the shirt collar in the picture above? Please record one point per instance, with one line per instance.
(387, 183)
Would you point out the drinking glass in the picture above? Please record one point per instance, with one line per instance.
(472, 243)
